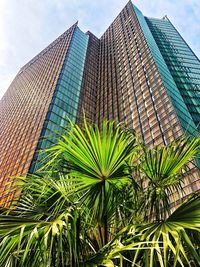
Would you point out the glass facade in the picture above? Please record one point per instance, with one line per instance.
(23, 109)
(130, 86)
(182, 63)
(64, 104)
(88, 94)
(177, 100)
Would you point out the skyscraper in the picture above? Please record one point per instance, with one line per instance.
(140, 72)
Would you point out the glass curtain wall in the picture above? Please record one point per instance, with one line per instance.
(182, 63)
(64, 105)
(182, 112)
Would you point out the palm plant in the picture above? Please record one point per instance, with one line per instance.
(163, 170)
(98, 164)
(89, 206)
(83, 195)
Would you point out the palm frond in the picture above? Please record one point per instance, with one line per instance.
(98, 163)
(22, 238)
(168, 242)
(162, 168)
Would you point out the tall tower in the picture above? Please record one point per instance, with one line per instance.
(37, 105)
(138, 87)
(140, 72)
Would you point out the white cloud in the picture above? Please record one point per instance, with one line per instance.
(27, 26)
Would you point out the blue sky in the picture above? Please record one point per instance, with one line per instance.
(28, 26)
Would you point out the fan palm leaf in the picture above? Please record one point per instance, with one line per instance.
(27, 242)
(162, 169)
(98, 163)
(162, 244)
